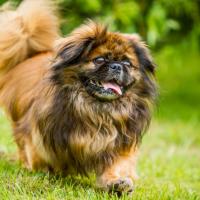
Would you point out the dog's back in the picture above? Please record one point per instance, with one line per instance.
(27, 36)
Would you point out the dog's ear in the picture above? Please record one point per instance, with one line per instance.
(142, 52)
(75, 48)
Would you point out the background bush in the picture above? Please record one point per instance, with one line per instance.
(159, 22)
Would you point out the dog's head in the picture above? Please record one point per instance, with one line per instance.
(106, 64)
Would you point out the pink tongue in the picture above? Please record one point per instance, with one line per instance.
(112, 86)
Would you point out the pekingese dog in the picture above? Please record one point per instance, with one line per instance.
(79, 103)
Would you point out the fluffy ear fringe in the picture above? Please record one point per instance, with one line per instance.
(142, 52)
(79, 43)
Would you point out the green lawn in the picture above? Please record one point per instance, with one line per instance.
(169, 163)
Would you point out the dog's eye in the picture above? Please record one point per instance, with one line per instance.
(126, 63)
(99, 60)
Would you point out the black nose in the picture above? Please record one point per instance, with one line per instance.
(115, 66)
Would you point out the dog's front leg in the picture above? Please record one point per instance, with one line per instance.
(120, 176)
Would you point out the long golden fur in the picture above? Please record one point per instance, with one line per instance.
(59, 122)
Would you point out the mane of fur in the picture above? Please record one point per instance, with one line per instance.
(93, 133)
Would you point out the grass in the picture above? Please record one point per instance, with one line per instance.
(169, 163)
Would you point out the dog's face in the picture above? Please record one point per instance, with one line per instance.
(106, 64)
(113, 69)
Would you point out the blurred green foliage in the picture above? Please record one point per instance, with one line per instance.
(159, 22)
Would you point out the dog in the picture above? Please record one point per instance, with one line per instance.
(78, 103)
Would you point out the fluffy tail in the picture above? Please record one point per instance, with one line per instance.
(28, 30)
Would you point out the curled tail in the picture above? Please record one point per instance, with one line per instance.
(26, 31)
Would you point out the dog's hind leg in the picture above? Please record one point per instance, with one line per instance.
(28, 154)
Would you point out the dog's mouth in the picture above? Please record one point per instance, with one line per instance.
(103, 90)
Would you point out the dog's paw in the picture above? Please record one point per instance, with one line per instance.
(122, 185)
